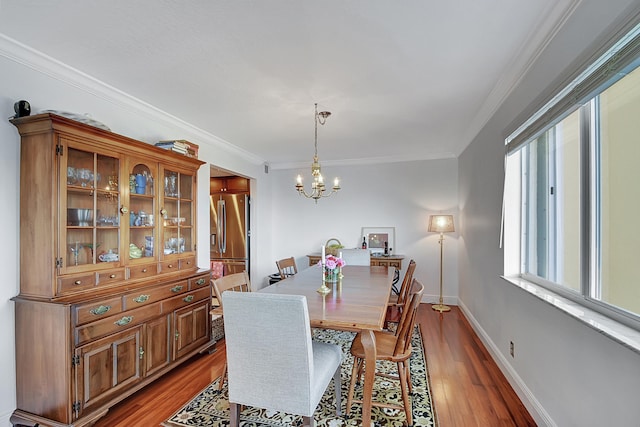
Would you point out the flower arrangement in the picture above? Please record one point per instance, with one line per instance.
(332, 267)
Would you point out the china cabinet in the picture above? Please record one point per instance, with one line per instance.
(110, 295)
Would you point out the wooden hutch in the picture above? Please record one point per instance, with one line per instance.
(110, 296)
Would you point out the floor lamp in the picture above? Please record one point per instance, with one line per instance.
(441, 224)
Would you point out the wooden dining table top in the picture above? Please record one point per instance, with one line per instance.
(357, 301)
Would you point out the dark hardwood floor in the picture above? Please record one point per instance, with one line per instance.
(467, 387)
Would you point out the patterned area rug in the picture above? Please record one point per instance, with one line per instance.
(211, 407)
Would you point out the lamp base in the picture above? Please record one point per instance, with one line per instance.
(441, 307)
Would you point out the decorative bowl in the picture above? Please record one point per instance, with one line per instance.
(81, 217)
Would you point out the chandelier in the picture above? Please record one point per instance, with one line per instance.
(318, 188)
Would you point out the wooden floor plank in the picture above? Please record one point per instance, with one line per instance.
(467, 387)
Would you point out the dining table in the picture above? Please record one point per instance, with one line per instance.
(356, 302)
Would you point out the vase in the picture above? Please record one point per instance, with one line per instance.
(331, 276)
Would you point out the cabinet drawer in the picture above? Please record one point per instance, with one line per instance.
(184, 300)
(89, 312)
(199, 281)
(109, 276)
(117, 323)
(169, 266)
(142, 271)
(147, 296)
(72, 283)
(187, 263)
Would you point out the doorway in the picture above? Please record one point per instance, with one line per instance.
(229, 222)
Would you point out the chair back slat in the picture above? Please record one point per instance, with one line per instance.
(406, 282)
(407, 321)
(287, 267)
(238, 282)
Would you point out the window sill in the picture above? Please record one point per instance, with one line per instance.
(618, 332)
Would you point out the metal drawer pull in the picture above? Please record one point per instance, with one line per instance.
(124, 321)
(141, 352)
(177, 288)
(142, 298)
(77, 282)
(188, 298)
(112, 276)
(201, 282)
(144, 270)
(170, 266)
(98, 311)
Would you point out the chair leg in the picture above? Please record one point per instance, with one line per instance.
(352, 383)
(408, 371)
(308, 422)
(405, 392)
(337, 386)
(223, 377)
(234, 414)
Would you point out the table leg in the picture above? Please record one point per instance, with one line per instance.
(368, 341)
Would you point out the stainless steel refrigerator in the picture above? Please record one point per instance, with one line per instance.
(230, 231)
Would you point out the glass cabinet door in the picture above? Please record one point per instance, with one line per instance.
(177, 212)
(141, 211)
(91, 199)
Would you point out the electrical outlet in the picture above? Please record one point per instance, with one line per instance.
(511, 349)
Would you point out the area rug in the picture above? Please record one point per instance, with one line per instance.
(211, 407)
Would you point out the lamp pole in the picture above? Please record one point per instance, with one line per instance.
(441, 224)
(441, 307)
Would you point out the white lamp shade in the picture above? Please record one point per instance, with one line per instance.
(441, 224)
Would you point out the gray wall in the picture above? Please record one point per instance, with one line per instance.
(567, 373)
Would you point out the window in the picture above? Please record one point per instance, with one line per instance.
(573, 197)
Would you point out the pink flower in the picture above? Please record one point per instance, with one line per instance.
(332, 261)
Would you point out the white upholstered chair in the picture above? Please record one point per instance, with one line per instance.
(272, 361)
(356, 256)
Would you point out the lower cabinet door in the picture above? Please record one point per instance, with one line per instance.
(191, 327)
(105, 367)
(157, 350)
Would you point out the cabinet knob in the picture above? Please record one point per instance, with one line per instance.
(100, 310)
(112, 276)
(124, 321)
(163, 211)
(141, 352)
(170, 266)
(144, 270)
(77, 282)
(124, 210)
(141, 298)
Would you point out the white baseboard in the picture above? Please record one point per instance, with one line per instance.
(534, 407)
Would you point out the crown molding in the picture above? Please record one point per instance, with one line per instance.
(44, 64)
(365, 161)
(541, 35)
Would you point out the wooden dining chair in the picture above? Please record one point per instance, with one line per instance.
(396, 302)
(394, 347)
(287, 267)
(238, 282)
(273, 362)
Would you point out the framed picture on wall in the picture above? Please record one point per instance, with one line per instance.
(379, 238)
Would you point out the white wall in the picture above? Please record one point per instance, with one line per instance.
(400, 195)
(566, 373)
(47, 85)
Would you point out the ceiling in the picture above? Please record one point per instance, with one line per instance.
(404, 80)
